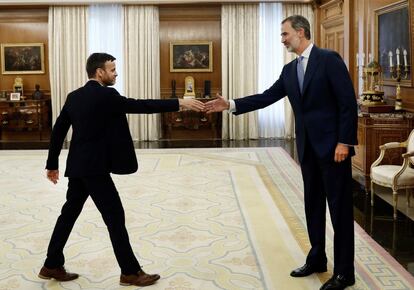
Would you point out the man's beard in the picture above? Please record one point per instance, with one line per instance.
(293, 45)
(289, 48)
(108, 83)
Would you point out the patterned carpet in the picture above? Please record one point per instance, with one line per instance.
(202, 218)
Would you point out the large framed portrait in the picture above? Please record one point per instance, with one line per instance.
(22, 58)
(393, 25)
(191, 56)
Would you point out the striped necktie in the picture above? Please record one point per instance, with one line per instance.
(300, 72)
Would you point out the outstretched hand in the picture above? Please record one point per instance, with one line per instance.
(191, 104)
(217, 105)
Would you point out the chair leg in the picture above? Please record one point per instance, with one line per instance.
(408, 193)
(395, 201)
(372, 193)
(411, 195)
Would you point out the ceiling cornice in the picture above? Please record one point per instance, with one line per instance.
(159, 2)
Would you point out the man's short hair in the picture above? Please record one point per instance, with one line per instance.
(298, 22)
(97, 60)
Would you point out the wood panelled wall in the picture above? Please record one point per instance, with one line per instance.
(332, 22)
(190, 22)
(348, 26)
(25, 25)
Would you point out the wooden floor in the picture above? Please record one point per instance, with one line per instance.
(25, 139)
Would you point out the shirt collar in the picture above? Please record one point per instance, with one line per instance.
(307, 51)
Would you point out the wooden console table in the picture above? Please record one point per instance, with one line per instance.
(374, 130)
(191, 121)
(25, 116)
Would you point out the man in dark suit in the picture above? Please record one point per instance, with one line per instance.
(320, 91)
(101, 144)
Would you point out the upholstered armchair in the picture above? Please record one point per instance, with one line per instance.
(395, 176)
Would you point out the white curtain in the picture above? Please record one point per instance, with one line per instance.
(239, 32)
(67, 53)
(271, 118)
(288, 10)
(142, 74)
(106, 35)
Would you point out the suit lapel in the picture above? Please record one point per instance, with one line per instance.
(313, 63)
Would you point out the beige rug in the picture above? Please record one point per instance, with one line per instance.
(202, 218)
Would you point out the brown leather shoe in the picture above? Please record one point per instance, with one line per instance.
(139, 279)
(58, 274)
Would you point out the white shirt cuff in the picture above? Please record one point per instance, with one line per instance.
(346, 144)
(232, 106)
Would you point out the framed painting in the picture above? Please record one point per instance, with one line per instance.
(389, 42)
(22, 58)
(191, 56)
(14, 96)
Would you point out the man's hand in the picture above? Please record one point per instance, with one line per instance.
(191, 104)
(53, 175)
(217, 105)
(341, 152)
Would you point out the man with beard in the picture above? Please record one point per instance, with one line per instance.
(321, 93)
(101, 144)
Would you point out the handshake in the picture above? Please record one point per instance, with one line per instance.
(217, 105)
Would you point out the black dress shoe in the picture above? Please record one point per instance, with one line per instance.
(338, 282)
(307, 270)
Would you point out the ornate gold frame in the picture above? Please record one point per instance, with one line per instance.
(195, 52)
(22, 51)
(392, 31)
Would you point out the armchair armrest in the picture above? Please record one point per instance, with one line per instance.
(408, 154)
(393, 145)
(404, 166)
(379, 159)
(386, 146)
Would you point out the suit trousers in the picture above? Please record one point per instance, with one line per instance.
(331, 181)
(106, 198)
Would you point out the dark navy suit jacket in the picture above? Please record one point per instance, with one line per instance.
(101, 141)
(326, 112)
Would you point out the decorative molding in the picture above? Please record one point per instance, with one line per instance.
(139, 2)
(316, 4)
(332, 9)
(328, 23)
(332, 3)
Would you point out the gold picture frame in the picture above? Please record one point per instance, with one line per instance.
(387, 19)
(191, 56)
(22, 58)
